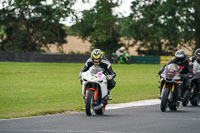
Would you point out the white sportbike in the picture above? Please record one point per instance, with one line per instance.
(94, 90)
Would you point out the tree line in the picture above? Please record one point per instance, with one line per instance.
(161, 27)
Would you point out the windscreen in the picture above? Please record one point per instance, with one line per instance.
(171, 71)
(95, 69)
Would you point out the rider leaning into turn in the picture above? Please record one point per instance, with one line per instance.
(182, 60)
(195, 61)
(98, 59)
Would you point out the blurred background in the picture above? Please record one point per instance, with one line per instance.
(74, 27)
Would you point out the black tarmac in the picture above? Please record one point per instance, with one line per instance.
(144, 119)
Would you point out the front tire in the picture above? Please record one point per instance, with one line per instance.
(164, 100)
(89, 103)
(185, 98)
(194, 100)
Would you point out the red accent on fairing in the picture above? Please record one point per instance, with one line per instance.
(181, 67)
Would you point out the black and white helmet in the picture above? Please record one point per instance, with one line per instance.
(180, 56)
(96, 56)
(197, 52)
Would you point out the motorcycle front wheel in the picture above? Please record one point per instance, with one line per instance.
(89, 103)
(164, 100)
(194, 100)
(185, 98)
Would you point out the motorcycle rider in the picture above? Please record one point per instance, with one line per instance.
(195, 62)
(120, 52)
(182, 60)
(98, 59)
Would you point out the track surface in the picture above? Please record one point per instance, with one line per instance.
(137, 119)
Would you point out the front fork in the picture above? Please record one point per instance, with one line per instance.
(95, 93)
(172, 91)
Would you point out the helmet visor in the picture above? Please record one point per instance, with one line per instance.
(198, 57)
(96, 60)
(180, 59)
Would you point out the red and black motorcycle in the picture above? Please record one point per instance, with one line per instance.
(171, 86)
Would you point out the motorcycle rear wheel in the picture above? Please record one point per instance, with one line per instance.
(100, 111)
(194, 102)
(173, 106)
(89, 103)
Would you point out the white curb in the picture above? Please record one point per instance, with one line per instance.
(133, 104)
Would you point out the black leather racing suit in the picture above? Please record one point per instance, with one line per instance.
(185, 73)
(107, 68)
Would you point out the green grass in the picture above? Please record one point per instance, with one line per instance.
(29, 89)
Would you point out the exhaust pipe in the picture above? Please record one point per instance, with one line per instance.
(98, 107)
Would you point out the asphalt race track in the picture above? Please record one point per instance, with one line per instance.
(138, 119)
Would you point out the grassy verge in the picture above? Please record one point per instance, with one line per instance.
(29, 89)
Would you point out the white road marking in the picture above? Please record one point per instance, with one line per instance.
(133, 104)
(60, 131)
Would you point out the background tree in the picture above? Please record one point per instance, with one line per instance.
(98, 25)
(163, 26)
(195, 22)
(32, 24)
